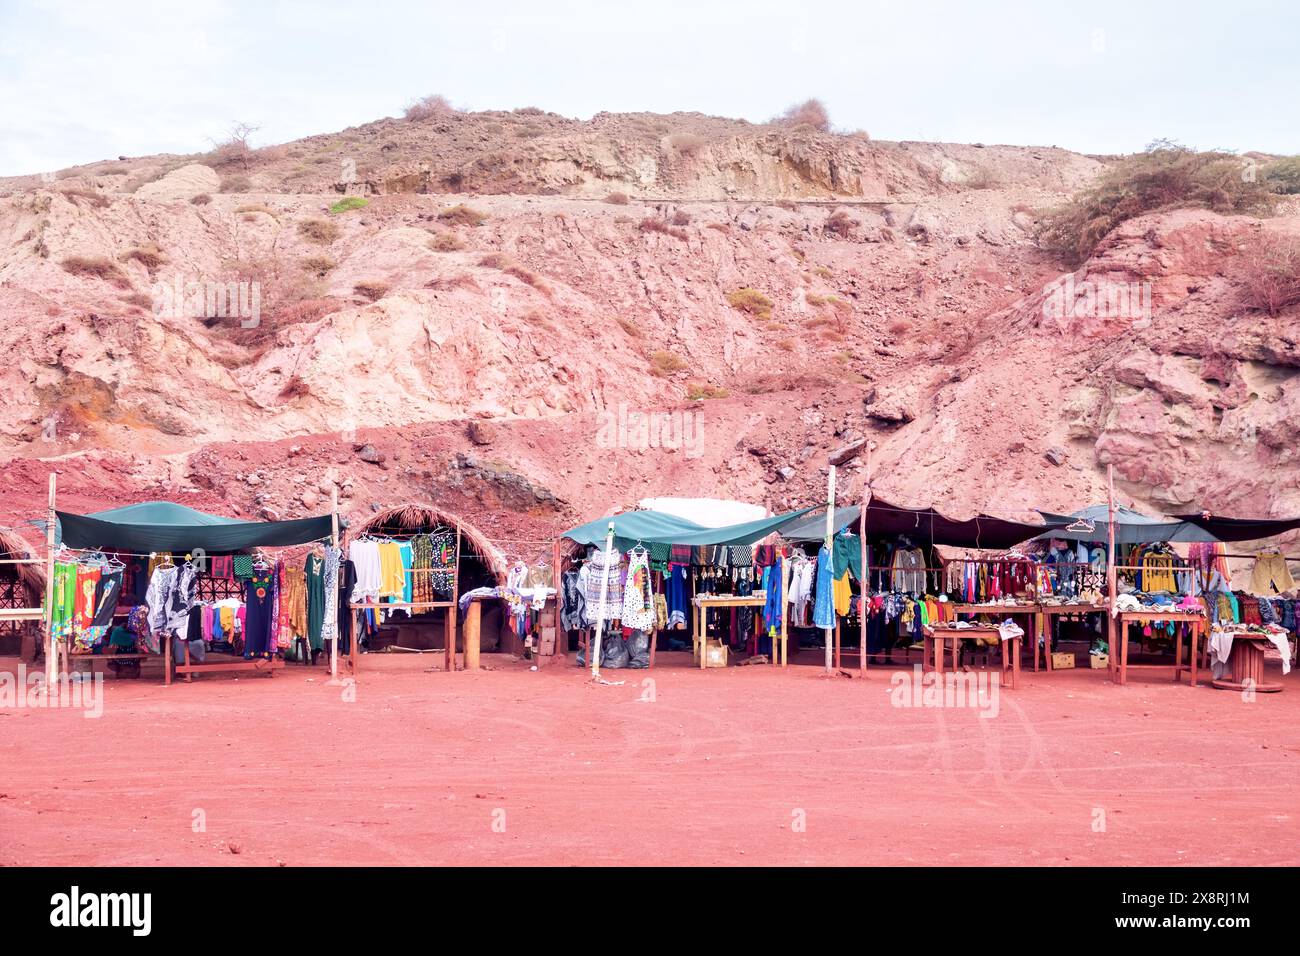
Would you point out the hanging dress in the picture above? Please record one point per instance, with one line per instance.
(258, 614)
(824, 602)
(315, 598)
(638, 599)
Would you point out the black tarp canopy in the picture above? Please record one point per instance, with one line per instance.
(1131, 527)
(1241, 529)
(922, 525)
(167, 526)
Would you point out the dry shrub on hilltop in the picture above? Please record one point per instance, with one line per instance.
(810, 113)
(427, 107)
(1166, 176)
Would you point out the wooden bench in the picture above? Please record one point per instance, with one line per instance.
(188, 669)
(137, 657)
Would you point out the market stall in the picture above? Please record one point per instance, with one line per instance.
(407, 572)
(160, 578)
(1075, 570)
(907, 587)
(1263, 615)
(650, 573)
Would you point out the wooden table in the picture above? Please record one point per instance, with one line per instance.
(1119, 650)
(704, 603)
(937, 637)
(1002, 611)
(1246, 664)
(1044, 627)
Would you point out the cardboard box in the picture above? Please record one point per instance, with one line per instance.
(1062, 662)
(1099, 662)
(715, 655)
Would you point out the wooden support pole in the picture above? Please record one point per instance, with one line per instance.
(450, 654)
(561, 648)
(830, 531)
(866, 575)
(473, 624)
(334, 543)
(785, 613)
(593, 650)
(51, 642)
(1112, 578)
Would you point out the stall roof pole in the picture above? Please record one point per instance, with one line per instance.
(830, 531)
(1111, 576)
(862, 584)
(51, 644)
(334, 542)
(594, 648)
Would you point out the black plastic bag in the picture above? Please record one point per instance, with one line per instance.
(638, 649)
(613, 652)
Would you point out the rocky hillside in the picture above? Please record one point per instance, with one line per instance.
(450, 308)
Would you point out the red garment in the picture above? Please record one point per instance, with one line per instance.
(83, 614)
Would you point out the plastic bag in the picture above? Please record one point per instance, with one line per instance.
(613, 652)
(638, 648)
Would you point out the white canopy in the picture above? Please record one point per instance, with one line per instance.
(709, 512)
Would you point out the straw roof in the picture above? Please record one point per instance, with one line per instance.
(32, 576)
(413, 517)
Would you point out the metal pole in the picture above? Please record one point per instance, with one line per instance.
(594, 649)
(830, 530)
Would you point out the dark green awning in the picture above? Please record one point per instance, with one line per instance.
(167, 526)
(656, 527)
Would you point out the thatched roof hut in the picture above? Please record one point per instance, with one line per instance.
(413, 518)
(32, 576)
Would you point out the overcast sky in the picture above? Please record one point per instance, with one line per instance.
(83, 80)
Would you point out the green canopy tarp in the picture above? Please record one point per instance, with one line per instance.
(167, 526)
(656, 527)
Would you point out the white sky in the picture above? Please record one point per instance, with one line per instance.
(82, 80)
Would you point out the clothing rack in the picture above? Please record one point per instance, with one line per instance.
(449, 606)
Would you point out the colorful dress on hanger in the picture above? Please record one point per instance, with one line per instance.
(315, 598)
(638, 599)
(258, 613)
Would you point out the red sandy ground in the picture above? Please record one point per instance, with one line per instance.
(711, 772)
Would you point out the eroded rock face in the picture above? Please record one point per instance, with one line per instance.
(181, 185)
(924, 321)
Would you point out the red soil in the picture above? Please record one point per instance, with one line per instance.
(711, 772)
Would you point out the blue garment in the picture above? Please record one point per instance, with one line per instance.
(824, 602)
(408, 579)
(675, 595)
(772, 609)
